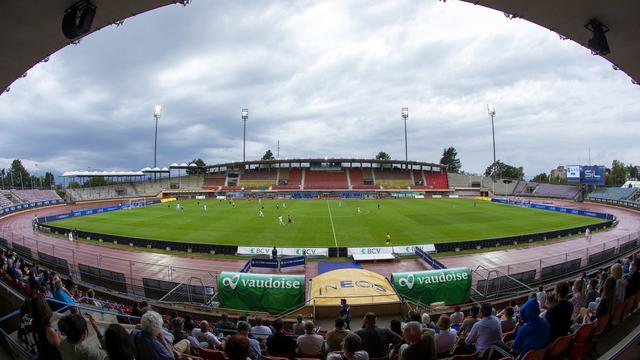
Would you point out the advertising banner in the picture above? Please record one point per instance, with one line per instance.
(260, 292)
(358, 286)
(452, 286)
(264, 263)
(592, 175)
(292, 261)
(573, 174)
(263, 250)
(400, 250)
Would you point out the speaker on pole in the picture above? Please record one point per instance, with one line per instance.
(77, 19)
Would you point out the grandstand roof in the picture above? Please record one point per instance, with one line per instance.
(102, 173)
(410, 163)
(30, 31)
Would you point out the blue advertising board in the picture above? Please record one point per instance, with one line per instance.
(264, 263)
(292, 261)
(86, 212)
(556, 208)
(14, 208)
(592, 175)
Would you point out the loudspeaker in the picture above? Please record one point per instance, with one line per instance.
(78, 19)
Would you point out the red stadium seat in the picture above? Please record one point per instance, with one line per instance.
(209, 354)
(535, 354)
(473, 356)
(600, 325)
(508, 336)
(559, 347)
(582, 342)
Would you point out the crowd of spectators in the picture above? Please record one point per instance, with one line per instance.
(512, 330)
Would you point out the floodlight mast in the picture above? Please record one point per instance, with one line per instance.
(244, 115)
(491, 110)
(157, 110)
(405, 115)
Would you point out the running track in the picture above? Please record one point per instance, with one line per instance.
(138, 264)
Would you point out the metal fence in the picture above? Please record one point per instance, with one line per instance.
(122, 275)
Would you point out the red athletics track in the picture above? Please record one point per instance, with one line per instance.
(137, 264)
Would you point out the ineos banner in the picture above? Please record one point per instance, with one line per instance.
(260, 292)
(449, 285)
(261, 250)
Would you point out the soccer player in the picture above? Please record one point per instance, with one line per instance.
(277, 207)
(233, 204)
(284, 206)
(280, 220)
(205, 207)
(177, 206)
(378, 206)
(339, 203)
(358, 210)
(587, 234)
(289, 220)
(261, 213)
(388, 240)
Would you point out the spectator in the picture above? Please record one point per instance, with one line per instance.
(260, 331)
(335, 336)
(237, 347)
(414, 316)
(446, 338)
(279, 343)
(456, 318)
(534, 334)
(426, 321)
(516, 310)
(508, 322)
(91, 298)
(189, 324)
(177, 330)
(150, 342)
(61, 294)
(607, 299)
(633, 282)
(350, 347)
(468, 323)
(486, 332)
(621, 284)
(376, 340)
(592, 291)
(205, 338)
(118, 344)
(541, 296)
(73, 347)
(579, 298)
(310, 344)
(298, 327)
(244, 329)
(419, 345)
(559, 314)
(395, 325)
(345, 313)
(225, 324)
(46, 338)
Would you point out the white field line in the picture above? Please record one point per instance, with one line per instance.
(332, 227)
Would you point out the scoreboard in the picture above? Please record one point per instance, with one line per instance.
(586, 174)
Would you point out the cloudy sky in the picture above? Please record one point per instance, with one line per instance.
(325, 78)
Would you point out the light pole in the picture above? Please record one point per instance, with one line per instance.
(491, 110)
(156, 114)
(244, 115)
(405, 115)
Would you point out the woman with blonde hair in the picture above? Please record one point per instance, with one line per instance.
(579, 298)
(621, 284)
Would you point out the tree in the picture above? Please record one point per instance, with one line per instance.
(383, 156)
(49, 180)
(268, 155)
(73, 185)
(541, 178)
(19, 176)
(632, 170)
(504, 171)
(96, 181)
(450, 158)
(617, 175)
(200, 170)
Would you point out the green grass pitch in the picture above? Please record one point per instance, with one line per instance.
(327, 223)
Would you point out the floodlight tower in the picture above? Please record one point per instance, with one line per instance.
(491, 110)
(244, 115)
(405, 115)
(156, 114)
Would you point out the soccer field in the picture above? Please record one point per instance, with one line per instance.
(326, 223)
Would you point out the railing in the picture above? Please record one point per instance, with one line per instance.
(125, 276)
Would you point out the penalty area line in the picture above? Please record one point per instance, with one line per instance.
(332, 227)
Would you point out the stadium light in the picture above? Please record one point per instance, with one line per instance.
(244, 115)
(405, 115)
(156, 114)
(491, 110)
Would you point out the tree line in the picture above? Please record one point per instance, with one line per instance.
(17, 177)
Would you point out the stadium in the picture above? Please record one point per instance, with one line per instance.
(227, 256)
